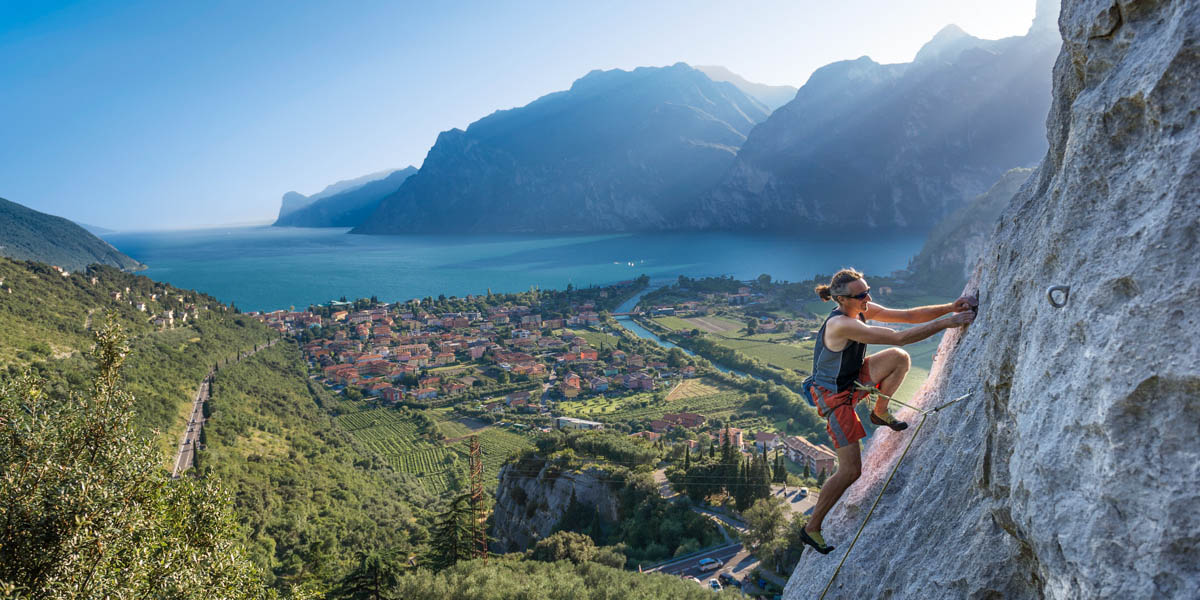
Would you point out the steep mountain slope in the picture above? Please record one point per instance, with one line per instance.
(772, 96)
(1072, 470)
(294, 201)
(865, 144)
(26, 234)
(347, 208)
(953, 246)
(619, 151)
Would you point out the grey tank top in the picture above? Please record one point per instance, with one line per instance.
(837, 371)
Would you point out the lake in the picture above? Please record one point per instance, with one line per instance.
(266, 268)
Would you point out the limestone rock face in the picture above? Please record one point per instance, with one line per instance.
(534, 495)
(1073, 471)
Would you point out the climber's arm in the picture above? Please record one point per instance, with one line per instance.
(920, 314)
(852, 329)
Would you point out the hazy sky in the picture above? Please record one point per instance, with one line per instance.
(145, 115)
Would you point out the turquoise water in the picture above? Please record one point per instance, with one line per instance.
(265, 268)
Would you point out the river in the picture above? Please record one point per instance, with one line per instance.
(642, 332)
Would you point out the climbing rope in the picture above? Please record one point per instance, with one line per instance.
(924, 415)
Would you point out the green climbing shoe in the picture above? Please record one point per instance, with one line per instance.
(815, 540)
(890, 421)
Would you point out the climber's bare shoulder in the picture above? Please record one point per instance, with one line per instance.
(841, 329)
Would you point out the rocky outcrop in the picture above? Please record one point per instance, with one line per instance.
(619, 151)
(954, 245)
(865, 144)
(347, 208)
(534, 496)
(294, 201)
(1073, 470)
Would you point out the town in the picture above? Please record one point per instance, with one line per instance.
(539, 365)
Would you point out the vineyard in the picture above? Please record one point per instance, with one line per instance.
(696, 388)
(396, 438)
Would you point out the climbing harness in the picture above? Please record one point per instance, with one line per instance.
(924, 415)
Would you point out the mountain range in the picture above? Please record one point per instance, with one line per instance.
(861, 144)
(772, 96)
(26, 234)
(345, 208)
(865, 144)
(618, 151)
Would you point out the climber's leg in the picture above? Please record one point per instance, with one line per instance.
(887, 370)
(848, 469)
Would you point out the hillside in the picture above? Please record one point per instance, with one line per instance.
(899, 145)
(953, 246)
(307, 495)
(1070, 471)
(47, 323)
(503, 578)
(618, 151)
(347, 208)
(26, 234)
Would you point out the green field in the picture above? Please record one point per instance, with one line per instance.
(439, 467)
(645, 407)
(674, 323)
(596, 339)
(776, 349)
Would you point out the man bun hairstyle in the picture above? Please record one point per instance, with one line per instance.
(837, 284)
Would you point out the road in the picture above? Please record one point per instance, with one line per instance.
(185, 457)
(690, 565)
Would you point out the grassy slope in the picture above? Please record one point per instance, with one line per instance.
(46, 322)
(307, 493)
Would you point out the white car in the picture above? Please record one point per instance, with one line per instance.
(714, 585)
(709, 564)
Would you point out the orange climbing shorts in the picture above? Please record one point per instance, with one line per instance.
(842, 422)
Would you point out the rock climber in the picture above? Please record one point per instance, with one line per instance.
(839, 362)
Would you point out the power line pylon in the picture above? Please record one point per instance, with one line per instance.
(478, 510)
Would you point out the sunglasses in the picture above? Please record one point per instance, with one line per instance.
(862, 296)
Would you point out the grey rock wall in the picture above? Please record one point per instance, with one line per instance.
(1074, 470)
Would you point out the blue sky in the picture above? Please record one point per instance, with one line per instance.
(158, 115)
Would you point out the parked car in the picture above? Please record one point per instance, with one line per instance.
(803, 492)
(714, 585)
(728, 579)
(710, 564)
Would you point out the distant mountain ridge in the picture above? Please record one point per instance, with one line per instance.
(954, 244)
(294, 201)
(872, 145)
(349, 207)
(618, 151)
(26, 234)
(773, 96)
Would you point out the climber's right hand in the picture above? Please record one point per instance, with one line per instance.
(962, 319)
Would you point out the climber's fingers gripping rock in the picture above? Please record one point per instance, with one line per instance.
(962, 319)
